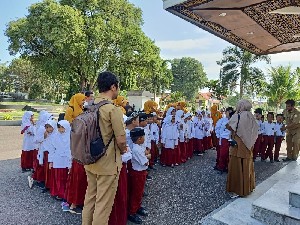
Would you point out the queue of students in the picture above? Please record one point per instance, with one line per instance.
(171, 140)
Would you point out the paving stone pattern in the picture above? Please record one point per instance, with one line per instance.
(179, 196)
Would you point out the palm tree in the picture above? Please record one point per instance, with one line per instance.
(284, 84)
(237, 70)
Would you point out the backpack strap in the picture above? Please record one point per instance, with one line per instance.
(237, 125)
(99, 105)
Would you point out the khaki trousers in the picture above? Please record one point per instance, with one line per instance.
(292, 146)
(99, 198)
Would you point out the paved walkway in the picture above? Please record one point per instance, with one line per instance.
(179, 196)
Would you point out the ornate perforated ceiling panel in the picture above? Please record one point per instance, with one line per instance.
(254, 25)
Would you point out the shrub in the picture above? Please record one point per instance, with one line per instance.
(7, 117)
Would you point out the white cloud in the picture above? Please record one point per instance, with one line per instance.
(208, 61)
(185, 45)
(286, 58)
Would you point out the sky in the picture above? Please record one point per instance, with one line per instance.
(176, 37)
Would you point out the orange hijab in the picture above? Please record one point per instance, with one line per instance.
(215, 114)
(75, 108)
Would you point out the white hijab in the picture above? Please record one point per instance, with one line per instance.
(179, 114)
(26, 119)
(62, 140)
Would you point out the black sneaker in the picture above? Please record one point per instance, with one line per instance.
(263, 160)
(149, 178)
(277, 160)
(77, 211)
(271, 161)
(142, 211)
(135, 219)
(286, 159)
(152, 168)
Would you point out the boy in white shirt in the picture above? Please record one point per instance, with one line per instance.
(258, 144)
(268, 138)
(154, 135)
(279, 136)
(224, 136)
(137, 176)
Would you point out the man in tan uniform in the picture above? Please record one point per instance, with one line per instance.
(292, 117)
(104, 174)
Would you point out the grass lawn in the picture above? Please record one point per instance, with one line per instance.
(29, 103)
(16, 114)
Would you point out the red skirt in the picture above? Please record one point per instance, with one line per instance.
(137, 181)
(76, 184)
(59, 182)
(47, 172)
(190, 148)
(39, 171)
(167, 156)
(205, 144)
(27, 159)
(214, 139)
(118, 215)
(198, 145)
(177, 155)
(218, 153)
(182, 147)
(209, 142)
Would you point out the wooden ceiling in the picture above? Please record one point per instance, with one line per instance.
(249, 24)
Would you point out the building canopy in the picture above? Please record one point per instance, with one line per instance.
(259, 26)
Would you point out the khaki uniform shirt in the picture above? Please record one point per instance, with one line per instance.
(111, 123)
(292, 117)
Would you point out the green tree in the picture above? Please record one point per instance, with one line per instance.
(79, 38)
(188, 76)
(237, 70)
(6, 80)
(158, 78)
(217, 89)
(284, 84)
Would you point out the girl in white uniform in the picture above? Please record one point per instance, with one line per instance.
(28, 130)
(60, 159)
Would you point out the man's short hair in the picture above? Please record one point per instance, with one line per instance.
(231, 114)
(106, 80)
(229, 109)
(88, 93)
(290, 102)
(259, 111)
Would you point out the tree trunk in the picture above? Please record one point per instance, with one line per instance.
(241, 87)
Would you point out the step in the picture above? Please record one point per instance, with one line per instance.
(238, 211)
(294, 195)
(273, 207)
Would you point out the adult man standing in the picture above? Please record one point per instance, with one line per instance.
(292, 117)
(104, 174)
